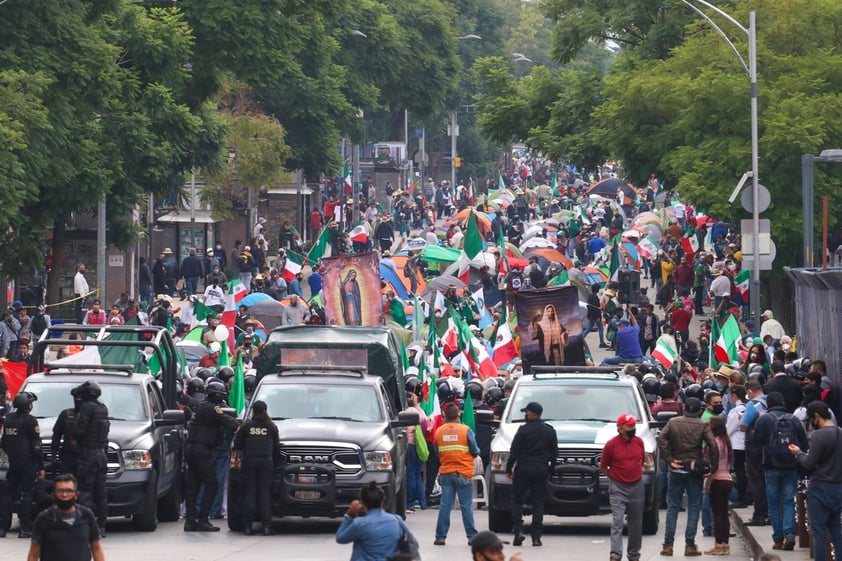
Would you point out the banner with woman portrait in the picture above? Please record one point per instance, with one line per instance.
(351, 290)
(550, 327)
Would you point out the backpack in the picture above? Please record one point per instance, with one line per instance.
(39, 324)
(779, 439)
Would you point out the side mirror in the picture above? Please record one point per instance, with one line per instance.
(406, 419)
(171, 418)
(486, 418)
(662, 419)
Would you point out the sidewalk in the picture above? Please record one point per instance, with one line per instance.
(758, 539)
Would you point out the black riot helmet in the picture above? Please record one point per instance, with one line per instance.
(195, 385)
(493, 396)
(204, 373)
(413, 385)
(474, 387)
(225, 373)
(88, 390)
(444, 392)
(23, 400)
(216, 392)
(694, 390)
(249, 385)
(651, 388)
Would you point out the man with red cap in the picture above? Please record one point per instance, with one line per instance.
(622, 461)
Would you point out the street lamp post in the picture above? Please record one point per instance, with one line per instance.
(807, 197)
(751, 71)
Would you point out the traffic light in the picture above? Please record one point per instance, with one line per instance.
(457, 162)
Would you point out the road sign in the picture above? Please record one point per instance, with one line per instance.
(747, 198)
(766, 248)
(765, 260)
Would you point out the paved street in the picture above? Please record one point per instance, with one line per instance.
(577, 539)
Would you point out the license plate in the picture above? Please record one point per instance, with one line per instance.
(307, 495)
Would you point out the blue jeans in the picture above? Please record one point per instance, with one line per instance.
(780, 495)
(707, 516)
(146, 294)
(414, 481)
(455, 485)
(220, 460)
(598, 323)
(190, 284)
(618, 359)
(824, 506)
(678, 483)
(663, 473)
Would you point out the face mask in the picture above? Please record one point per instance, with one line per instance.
(64, 504)
(630, 434)
(719, 385)
(718, 409)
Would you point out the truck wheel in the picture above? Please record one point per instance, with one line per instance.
(235, 509)
(147, 519)
(499, 520)
(650, 520)
(169, 506)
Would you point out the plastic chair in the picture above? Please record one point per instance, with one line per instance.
(475, 481)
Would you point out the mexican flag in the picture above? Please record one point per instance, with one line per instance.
(582, 215)
(554, 185)
(501, 185)
(321, 246)
(236, 292)
(725, 339)
(471, 247)
(292, 266)
(346, 174)
(690, 245)
(237, 395)
(647, 247)
(665, 351)
(504, 258)
(742, 281)
(505, 349)
(358, 234)
(614, 263)
(428, 372)
(202, 312)
(468, 416)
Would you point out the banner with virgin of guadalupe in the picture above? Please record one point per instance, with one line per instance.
(550, 327)
(351, 290)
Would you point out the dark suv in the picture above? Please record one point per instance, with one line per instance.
(339, 430)
(145, 441)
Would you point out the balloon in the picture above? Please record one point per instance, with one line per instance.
(221, 333)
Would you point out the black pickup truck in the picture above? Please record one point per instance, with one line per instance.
(146, 438)
(336, 395)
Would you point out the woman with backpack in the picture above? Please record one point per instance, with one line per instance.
(718, 487)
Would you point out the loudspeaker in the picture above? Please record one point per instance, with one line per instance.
(629, 292)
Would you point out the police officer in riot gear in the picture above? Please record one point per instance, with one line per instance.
(203, 436)
(65, 451)
(22, 443)
(257, 445)
(91, 436)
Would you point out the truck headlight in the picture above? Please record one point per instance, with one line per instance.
(136, 459)
(4, 460)
(499, 461)
(378, 461)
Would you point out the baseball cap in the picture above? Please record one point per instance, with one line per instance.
(692, 407)
(486, 541)
(533, 406)
(626, 419)
(624, 321)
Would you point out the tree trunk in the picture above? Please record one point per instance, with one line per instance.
(54, 274)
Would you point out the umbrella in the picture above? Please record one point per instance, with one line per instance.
(270, 307)
(441, 284)
(632, 234)
(551, 255)
(514, 250)
(609, 187)
(436, 254)
(532, 231)
(416, 244)
(536, 242)
(254, 298)
(400, 261)
(391, 276)
(595, 275)
(462, 217)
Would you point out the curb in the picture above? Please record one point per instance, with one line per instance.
(745, 531)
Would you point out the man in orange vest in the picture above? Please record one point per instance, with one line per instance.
(457, 447)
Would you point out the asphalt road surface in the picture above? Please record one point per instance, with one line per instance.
(571, 539)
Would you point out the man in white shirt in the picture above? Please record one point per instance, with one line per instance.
(771, 326)
(720, 287)
(215, 297)
(81, 289)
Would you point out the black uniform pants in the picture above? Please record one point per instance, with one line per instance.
(20, 486)
(199, 471)
(531, 480)
(257, 487)
(90, 475)
(756, 481)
